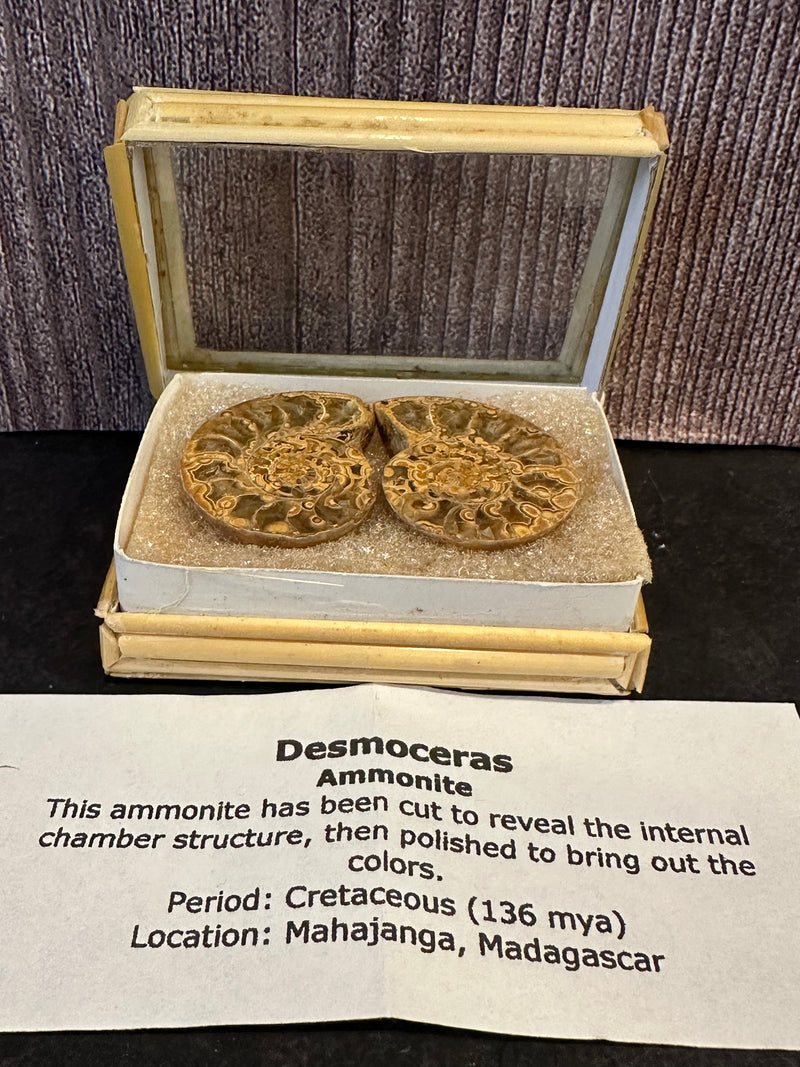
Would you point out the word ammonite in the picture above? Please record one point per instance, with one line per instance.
(287, 469)
(473, 475)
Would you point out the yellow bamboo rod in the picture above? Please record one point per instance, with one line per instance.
(187, 116)
(133, 256)
(377, 657)
(413, 634)
(139, 667)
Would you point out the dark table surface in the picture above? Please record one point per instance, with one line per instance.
(723, 528)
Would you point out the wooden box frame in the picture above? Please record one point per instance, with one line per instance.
(139, 644)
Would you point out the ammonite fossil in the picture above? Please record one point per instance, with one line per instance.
(473, 475)
(287, 469)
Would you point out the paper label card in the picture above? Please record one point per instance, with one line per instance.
(557, 868)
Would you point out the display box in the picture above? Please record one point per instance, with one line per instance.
(278, 244)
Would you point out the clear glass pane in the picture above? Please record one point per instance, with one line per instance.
(385, 253)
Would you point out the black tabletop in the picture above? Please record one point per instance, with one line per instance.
(723, 528)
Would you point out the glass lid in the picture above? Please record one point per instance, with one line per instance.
(310, 258)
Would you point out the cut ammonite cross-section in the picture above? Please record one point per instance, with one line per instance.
(473, 475)
(287, 469)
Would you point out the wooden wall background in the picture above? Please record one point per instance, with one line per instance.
(710, 350)
(379, 253)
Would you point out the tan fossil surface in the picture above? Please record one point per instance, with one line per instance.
(286, 469)
(472, 474)
(598, 542)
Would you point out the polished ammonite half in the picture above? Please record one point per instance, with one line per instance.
(287, 469)
(473, 475)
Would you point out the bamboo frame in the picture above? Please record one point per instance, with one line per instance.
(551, 372)
(259, 649)
(476, 657)
(638, 251)
(152, 118)
(578, 335)
(175, 302)
(126, 211)
(184, 115)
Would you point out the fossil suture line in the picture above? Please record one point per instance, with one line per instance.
(287, 469)
(473, 475)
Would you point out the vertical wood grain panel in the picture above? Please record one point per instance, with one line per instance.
(725, 235)
(438, 257)
(417, 79)
(710, 347)
(323, 65)
(516, 206)
(239, 229)
(322, 253)
(532, 224)
(486, 293)
(410, 197)
(369, 251)
(375, 63)
(467, 233)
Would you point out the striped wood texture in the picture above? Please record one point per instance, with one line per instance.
(710, 349)
(473, 256)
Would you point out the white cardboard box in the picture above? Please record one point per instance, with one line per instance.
(301, 594)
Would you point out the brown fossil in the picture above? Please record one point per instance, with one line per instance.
(287, 469)
(473, 475)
